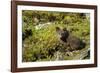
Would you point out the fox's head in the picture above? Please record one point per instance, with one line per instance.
(62, 33)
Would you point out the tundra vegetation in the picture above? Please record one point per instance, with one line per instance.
(41, 42)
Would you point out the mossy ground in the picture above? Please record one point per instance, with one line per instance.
(42, 45)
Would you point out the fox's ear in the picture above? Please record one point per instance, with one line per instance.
(64, 29)
(57, 29)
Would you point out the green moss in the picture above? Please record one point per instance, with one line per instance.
(46, 38)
